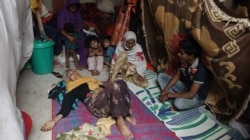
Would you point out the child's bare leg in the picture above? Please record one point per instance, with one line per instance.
(92, 72)
(126, 133)
(76, 61)
(83, 67)
(67, 55)
(49, 125)
(131, 119)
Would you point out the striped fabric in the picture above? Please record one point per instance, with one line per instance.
(190, 124)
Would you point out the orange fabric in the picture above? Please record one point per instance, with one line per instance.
(150, 66)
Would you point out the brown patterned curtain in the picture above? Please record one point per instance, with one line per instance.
(224, 37)
(57, 5)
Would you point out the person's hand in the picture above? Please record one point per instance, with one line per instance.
(48, 126)
(36, 10)
(163, 97)
(71, 39)
(96, 52)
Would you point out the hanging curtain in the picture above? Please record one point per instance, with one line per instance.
(57, 5)
(123, 19)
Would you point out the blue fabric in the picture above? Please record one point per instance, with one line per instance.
(108, 54)
(58, 92)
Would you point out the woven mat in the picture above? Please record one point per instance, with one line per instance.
(191, 124)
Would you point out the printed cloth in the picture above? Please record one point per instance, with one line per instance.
(113, 100)
(105, 124)
(83, 132)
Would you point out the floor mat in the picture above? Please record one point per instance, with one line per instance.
(191, 124)
(148, 126)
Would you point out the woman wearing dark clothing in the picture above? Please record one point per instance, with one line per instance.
(110, 99)
(70, 13)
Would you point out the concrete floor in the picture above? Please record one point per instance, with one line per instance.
(32, 97)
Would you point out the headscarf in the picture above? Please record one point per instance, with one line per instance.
(135, 55)
(71, 2)
(128, 35)
(66, 16)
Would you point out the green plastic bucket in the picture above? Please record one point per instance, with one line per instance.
(27, 66)
(43, 56)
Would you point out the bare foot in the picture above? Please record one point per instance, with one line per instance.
(124, 130)
(97, 73)
(48, 126)
(83, 67)
(131, 119)
(92, 72)
(78, 68)
(106, 66)
(172, 108)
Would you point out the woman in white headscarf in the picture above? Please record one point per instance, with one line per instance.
(129, 61)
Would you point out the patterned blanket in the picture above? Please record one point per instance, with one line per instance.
(223, 37)
(191, 124)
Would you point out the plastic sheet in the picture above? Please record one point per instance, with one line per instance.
(16, 44)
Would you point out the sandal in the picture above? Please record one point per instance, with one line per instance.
(57, 74)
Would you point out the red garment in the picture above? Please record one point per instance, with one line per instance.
(27, 124)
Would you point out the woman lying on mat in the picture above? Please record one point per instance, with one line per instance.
(191, 83)
(110, 99)
(129, 61)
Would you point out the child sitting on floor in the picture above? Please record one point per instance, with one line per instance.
(109, 50)
(95, 59)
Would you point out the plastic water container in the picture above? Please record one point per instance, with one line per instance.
(43, 56)
(27, 66)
